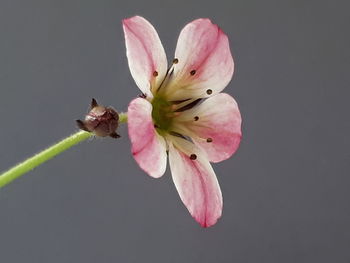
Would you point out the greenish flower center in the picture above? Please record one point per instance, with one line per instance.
(162, 114)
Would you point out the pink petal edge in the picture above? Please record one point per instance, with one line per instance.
(202, 46)
(197, 185)
(148, 148)
(220, 120)
(145, 53)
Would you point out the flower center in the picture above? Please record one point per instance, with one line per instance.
(162, 114)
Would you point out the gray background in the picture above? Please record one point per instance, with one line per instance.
(286, 191)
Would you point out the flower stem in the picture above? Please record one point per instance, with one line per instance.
(47, 154)
(123, 117)
(42, 157)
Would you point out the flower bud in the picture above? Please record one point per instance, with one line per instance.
(102, 121)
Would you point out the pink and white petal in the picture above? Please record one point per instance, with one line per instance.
(148, 148)
(218, 128)
(196, 182)
(203, 47)
(145, 53)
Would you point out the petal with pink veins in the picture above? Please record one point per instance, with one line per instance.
(148, 148)
(195, 181)
(215, 126)
(205, 64)
(145, 52)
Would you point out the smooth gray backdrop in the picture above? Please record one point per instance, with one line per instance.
(286, 191)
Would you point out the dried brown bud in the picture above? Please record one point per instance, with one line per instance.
(102, 121)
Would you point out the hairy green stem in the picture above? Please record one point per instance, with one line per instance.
(47, 154)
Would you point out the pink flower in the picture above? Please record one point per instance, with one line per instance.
(182, 113)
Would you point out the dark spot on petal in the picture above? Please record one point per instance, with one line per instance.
(196, 118)
(175, 61)
(155, 73)
(209, 139)
(193, 72)
(209, 91)
(193, 156)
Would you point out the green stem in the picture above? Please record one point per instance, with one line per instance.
(123, 117)
(47, 154)
(42, 157)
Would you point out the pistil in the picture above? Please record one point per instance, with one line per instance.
(162, 114)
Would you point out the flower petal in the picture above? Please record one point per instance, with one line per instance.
(145, 53)
(215, 126)
(205, 64)
(148, 148)
(195, 181)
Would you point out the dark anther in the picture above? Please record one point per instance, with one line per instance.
(143, 96)
(193, 72)
(193, 156)
(155, 126)
(209, 139)
(209, 91)
(155, 73)
(196, 118)
(175, 61)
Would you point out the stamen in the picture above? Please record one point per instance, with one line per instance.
(193, 72)
(196, 118)
(155, 73)
(188, 106)
(175, 61)
(176, 134)
(178, 101)
(209, 91)
(193, 156)
(167, 76)
(209, 139)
